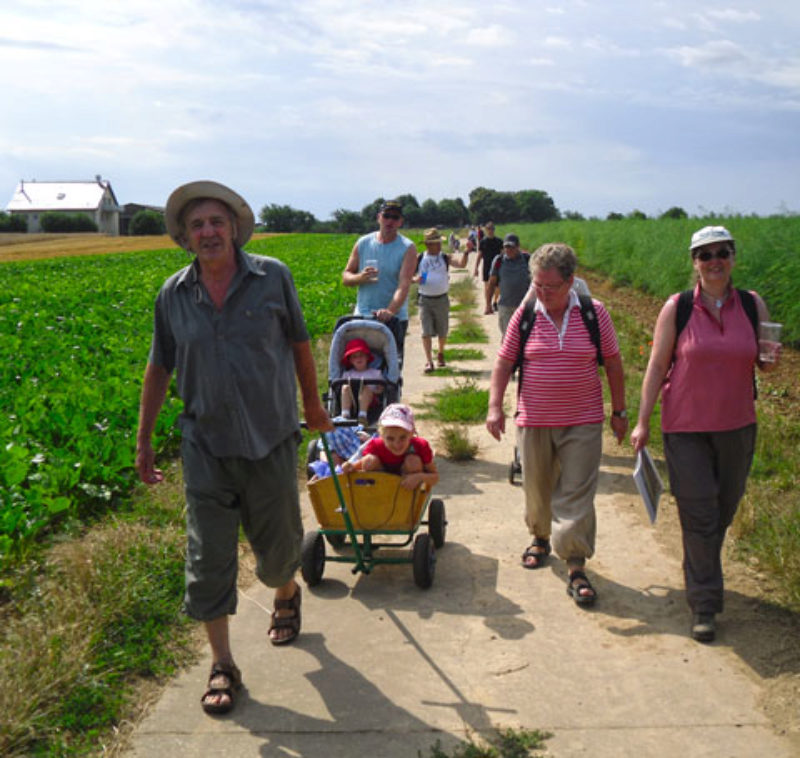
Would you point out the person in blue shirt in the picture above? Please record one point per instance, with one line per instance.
(381, 265)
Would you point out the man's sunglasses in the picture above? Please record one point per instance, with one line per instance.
(391, 216)
(706, 256)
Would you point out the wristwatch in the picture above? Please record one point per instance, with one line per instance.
(620, 414)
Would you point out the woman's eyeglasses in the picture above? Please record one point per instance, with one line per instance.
(391, 216)
(706, 255)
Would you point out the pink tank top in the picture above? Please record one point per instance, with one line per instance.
(710, 386)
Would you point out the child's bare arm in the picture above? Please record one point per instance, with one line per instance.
(429, 476)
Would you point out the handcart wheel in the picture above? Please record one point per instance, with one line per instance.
(424, 561)
(437, 523)
(312, 558)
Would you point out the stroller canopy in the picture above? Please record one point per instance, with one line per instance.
(381, 343)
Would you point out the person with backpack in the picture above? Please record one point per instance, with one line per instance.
(560, 412)
(705, 350)
(510, 274)
(433, 280)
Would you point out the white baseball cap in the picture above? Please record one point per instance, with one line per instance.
(710, 234)
(397, 414)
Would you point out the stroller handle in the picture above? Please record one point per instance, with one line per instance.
(336, 422)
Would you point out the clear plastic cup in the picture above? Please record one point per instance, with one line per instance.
(372, 263)
(769, 341)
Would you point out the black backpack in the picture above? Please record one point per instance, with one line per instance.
(526, 322)
(684, 311)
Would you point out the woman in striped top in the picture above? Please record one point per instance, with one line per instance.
(559, 414)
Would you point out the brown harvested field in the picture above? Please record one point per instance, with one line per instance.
(23, 247)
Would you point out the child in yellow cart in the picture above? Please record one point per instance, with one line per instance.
(397, 450)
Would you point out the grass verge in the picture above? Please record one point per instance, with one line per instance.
(88, 624)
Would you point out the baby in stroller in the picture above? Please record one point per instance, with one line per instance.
(356, 361)
(363, 370)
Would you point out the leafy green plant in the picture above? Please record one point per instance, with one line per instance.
(505, 743)
(457, 444)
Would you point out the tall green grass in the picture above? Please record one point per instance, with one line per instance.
(652, 255)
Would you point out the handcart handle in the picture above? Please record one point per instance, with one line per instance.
(360, 565)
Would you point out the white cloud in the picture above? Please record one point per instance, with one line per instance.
(715, 53)
(733, 15)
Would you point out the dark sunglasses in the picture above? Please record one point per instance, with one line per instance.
(391, 216)
(706, 256)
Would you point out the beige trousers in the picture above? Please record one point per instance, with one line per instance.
(559, 478)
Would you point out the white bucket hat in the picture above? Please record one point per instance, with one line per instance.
(245, 220)
(709, 234)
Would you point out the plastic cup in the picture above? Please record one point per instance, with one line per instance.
(769, 341)
(373, 263)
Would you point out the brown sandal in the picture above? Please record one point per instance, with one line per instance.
(228, 682)
(286, 622)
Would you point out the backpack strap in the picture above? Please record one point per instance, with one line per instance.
(526, 323)
(683, 311)
(589, 316)
(419, 260)
(750, 308)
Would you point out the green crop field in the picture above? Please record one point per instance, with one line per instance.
(74, 337)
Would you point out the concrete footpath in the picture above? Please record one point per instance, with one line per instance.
(383, 668)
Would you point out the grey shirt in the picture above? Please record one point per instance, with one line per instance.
(513, 278)
(235, 367)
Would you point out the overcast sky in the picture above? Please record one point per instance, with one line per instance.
(326, 104)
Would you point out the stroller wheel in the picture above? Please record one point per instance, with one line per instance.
(512, 472)
(424, 561)
(312, 558)
(312, 454)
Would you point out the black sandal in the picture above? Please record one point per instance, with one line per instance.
(583, 583)
(539, 555)
(231, 683)
(286, 622)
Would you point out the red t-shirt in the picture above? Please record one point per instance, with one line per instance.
(391, 462)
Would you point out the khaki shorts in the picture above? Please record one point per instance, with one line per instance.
(434, 313)
(221, 495)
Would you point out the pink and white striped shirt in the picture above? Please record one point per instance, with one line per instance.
(560, 383)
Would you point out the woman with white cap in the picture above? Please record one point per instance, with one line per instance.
(705, 349)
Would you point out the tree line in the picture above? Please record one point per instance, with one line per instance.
(501, 207)
(484, 205)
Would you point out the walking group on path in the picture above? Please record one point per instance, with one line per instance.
(230, 327)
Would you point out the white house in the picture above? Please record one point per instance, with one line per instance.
(96, 199)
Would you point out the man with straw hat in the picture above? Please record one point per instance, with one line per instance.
(229, 325)
(433, 280)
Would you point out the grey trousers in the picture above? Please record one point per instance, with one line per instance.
(221, 495)
(559, 478)
(707, 475)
